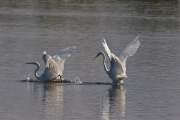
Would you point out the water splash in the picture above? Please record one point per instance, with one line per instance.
(28, 78)
(77, 80)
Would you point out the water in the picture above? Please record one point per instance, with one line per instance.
(152, 90)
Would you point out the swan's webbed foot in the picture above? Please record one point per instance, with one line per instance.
(59, 78)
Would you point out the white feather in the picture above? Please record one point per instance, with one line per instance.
(130, 49)
(106, 48)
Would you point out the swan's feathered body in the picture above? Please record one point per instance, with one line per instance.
(45, 76)
(117, 68)
(54, 66)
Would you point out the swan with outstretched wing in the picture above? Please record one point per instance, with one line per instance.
(54, 66)
(117, 68)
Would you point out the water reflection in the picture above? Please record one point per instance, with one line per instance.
(51, 99)
(114, 103)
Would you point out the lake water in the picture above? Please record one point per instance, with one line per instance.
(152, 89)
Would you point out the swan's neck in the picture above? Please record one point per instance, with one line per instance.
(36, 70)
(104, 62)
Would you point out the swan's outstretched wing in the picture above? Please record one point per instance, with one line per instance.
(106, 48)
(65, 53)
(130, 49)
(68, 50)
(61, 58)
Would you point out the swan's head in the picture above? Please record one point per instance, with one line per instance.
(98, 54)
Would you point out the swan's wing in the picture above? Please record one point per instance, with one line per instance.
(68, 50)
(130, 49)
(65, 53)
(61, 58)
(106, 48)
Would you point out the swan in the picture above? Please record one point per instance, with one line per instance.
(117, 69)
(54, 66)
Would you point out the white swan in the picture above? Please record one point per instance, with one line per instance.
(54, 66)
(117, 69)
(52, 69)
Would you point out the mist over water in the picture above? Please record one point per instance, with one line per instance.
(151, 91)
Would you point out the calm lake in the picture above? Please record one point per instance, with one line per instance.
(152, 89)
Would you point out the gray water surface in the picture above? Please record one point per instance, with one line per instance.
(152, 90)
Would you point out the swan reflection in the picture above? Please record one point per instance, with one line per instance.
(114, 103)
(50, 98)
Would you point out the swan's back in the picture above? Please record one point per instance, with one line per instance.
(52, 69)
